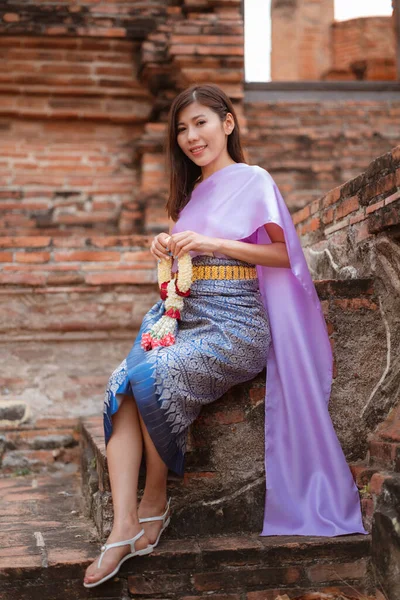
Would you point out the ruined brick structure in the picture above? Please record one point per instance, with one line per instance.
(84, 94)
(307, 44)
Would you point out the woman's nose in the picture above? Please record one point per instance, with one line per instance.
(192, 134)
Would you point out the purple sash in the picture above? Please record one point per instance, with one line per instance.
(309, 486)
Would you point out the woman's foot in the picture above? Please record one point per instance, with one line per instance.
(112, 557)
(153, 509)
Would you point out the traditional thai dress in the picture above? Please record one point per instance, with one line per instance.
(231, 328)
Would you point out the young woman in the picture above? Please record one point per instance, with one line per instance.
(251, 304)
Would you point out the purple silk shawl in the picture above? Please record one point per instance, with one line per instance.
(309, 486)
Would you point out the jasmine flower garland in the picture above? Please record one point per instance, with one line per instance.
(172, 291)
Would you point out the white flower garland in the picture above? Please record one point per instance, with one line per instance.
(172, 291)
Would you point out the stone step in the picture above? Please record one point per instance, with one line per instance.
(250, 567)
(229, 568)
(45, 540)
(49, 544)
(50, 444)
(46, 543)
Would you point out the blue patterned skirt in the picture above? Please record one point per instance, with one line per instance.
(223, 339)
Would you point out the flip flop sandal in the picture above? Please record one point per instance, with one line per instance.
(162, 518)
(132, 553)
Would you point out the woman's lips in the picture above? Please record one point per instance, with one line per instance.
(198, 150)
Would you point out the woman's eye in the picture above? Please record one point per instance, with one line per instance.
(180, 130)
(200, 122)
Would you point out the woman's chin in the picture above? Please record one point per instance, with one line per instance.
(201, 161)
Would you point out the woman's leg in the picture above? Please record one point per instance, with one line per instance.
(124, 455)
(154, 496)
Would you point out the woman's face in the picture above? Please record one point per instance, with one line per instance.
(201, 134)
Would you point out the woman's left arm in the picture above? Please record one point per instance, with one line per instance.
(268, 255)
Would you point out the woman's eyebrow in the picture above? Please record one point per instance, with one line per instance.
(193, 119)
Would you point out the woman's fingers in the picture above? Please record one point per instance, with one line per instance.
(159, 247)
(177, 241)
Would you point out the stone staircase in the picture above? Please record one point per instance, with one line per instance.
(212, 547)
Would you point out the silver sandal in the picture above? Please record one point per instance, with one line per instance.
(162, 518)
(132, 553)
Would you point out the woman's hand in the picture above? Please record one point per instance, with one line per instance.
(183, 242)
(159, 246)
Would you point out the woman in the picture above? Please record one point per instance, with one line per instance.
(256, 307)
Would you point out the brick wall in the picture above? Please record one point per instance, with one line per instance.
(84, 96)
(352, 233)
(301, 47)
(363, 48)
(44, 262)
(356, 211)
(71, 111)
(311, 142)
(120, 18)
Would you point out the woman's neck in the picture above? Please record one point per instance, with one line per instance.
(212, 168)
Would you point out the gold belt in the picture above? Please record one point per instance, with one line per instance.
(223, 272)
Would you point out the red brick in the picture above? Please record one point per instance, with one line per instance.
(257, 395)
(332, 197)
(315, 206)
(367, 507)
(357, 218)
(337, 572)
(6, 257)
(101, 31)
(373, 207)
(11, 17)
(310, 226)
(301, 215)
(206, 50)
(347, 206)
(24, 279)
(25, 242)
(86, 256)
(377, 480)
(327, 216)
(394, 196)
(232, 579)
(30, 268)
(207, 39)
(330, 327)
(383, 453)
(32, 257)
(65, 279)
(355, 303)
(112, 278)
(379, 187)
(145, 256)
(62, 423)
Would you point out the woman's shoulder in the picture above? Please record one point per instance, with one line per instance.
(255, 171)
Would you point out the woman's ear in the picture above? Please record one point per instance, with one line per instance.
(229, 123)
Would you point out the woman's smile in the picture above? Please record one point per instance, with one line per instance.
(198, 150)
